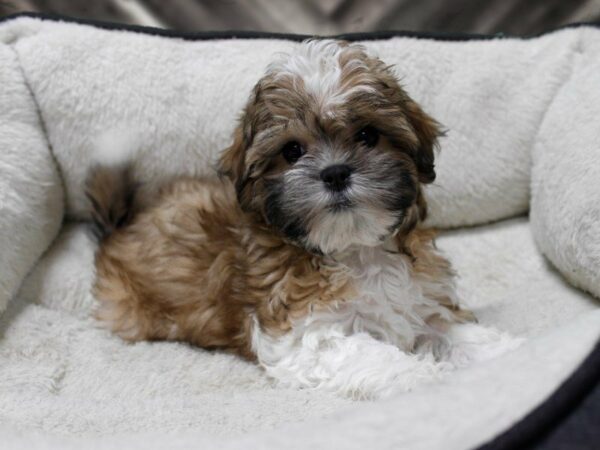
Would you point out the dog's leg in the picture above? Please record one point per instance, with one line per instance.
(356, 365)
(471, 343)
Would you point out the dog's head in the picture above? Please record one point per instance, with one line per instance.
(330, 151)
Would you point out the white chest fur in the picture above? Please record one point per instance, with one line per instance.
(361, 347)
(392, 303)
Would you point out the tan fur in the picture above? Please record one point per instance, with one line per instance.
(112, 196)
(194, 267)
(428, 264)
(201, 262)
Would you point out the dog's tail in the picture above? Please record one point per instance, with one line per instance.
(110, 186)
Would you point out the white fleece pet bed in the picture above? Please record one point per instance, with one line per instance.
(523, 135)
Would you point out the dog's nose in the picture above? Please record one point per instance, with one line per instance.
(336, 177)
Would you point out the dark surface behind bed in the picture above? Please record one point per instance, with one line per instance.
(326, 17)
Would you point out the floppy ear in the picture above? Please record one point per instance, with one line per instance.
(427, 130)
(231, 163)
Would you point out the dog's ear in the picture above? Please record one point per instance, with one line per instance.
(427, 130)
(231, 163)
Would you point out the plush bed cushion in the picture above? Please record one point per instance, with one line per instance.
(63, 375)
(565, 205)
(31, 194)
(182, 98)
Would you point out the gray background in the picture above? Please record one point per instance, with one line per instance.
(517, 17)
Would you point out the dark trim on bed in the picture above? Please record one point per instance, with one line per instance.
(579, 430)
(531, 430)
(210, 35)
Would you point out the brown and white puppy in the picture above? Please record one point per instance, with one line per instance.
(306, 255)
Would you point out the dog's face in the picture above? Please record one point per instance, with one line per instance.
(330, 151)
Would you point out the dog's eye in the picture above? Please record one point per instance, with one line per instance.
(368, 136)
(292, 151)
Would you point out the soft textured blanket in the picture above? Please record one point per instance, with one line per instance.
(522, 136)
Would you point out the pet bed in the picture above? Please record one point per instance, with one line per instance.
(517, 195)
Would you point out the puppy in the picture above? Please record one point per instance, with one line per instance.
(307, 254)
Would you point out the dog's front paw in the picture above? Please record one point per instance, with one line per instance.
(472, 343)
(406, 373)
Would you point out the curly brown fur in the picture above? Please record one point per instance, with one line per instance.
(194, 267)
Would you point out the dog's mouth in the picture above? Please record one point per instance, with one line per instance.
(340, 203)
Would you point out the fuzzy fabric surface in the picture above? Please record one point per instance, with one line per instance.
(521, 125)
(62, 375)
(565, 206)
(31, 194)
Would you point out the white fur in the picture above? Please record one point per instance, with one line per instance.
(317, 65)
(325, 355)
(363, 348)
(361, 225)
